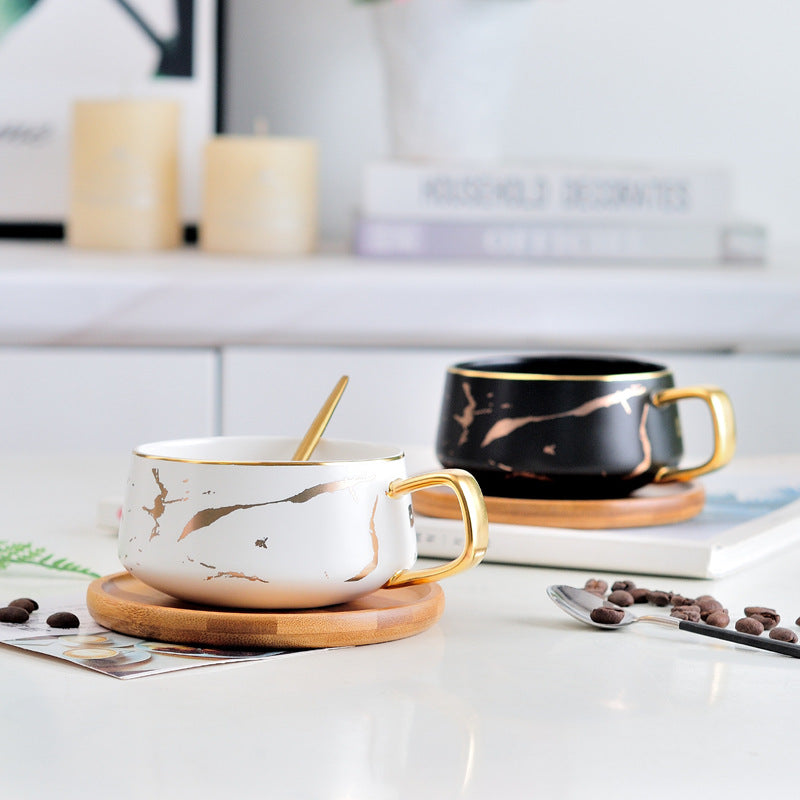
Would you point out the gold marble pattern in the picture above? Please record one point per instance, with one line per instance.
(160, 503)
(647, 447)
(208, 516)
(237, 575)
(374, 563)
(507, 426)
(467, 416)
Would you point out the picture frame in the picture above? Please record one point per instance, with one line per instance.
(54, 52)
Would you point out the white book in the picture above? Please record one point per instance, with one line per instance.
(441, 191)
(752, 511)
(641, 241)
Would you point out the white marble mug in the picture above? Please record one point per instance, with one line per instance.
(235, 522)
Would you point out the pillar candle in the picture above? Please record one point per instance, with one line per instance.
(259, 195)
(124, 175)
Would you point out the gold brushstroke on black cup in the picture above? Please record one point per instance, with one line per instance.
(572, 426)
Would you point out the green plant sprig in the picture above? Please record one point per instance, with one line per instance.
(27, 553)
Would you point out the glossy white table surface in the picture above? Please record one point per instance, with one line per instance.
(505, 697)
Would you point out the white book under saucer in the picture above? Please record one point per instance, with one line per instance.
(752, 511)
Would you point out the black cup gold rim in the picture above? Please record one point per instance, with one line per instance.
(504, 369)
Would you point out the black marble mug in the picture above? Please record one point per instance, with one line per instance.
(572, 426)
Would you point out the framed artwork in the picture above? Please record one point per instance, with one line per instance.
(54, 52)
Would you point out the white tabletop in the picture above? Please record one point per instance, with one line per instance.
(505, 697)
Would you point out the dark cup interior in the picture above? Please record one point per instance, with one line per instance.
(559, 426)
(560, 366)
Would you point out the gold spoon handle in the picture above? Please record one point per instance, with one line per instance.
(314, 433)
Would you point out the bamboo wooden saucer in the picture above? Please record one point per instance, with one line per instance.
(126, 605)
(655, 504)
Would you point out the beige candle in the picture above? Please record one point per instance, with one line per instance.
(259, 195)
(124, 177)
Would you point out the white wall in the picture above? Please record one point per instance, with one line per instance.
(678, 80)
(96, 400)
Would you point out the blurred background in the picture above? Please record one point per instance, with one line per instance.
(697, 81)
(106, 348)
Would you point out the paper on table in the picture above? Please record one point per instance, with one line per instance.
(120, 656)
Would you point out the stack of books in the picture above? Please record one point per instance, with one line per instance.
(551, 212)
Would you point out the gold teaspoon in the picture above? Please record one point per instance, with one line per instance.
(314, 433)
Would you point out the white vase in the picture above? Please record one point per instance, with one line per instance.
(449, 69)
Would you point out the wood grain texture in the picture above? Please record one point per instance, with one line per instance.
(651, 505)
(126, 605)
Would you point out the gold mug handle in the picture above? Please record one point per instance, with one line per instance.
(724, 430)
(473, 513)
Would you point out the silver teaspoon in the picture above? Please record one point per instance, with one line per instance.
(579, 603)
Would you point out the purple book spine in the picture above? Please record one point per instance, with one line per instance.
(702, 242)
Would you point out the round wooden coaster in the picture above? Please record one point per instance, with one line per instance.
(655, 504)
(126, 605)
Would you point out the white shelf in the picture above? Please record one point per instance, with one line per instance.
(53, 295)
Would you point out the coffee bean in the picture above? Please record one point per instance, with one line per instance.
(63, 619)
(761, 611)
(13, 614)
(749, 625)
(690, 613)
(710, 609)
(626, 586)
(750, 610)
(596, 586)
(703, 597)
(639, 595)
(680, 600)
(607, 615)
(658, 598)
(25, 602)
(708, 604)
(783, 635)
(768, 622)
(718, 618)
(620, 597)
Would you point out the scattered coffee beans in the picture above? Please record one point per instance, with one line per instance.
(63, 619)
(621, 597)
(706, 608)
(749, 625)
(783, 635)
(596, 586)
(607, 615)
(13, 614)
(25, 602)
(19, 610)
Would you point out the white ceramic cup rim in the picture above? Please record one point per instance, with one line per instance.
(264, 451)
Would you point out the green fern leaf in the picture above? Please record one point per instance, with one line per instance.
(27, 553)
